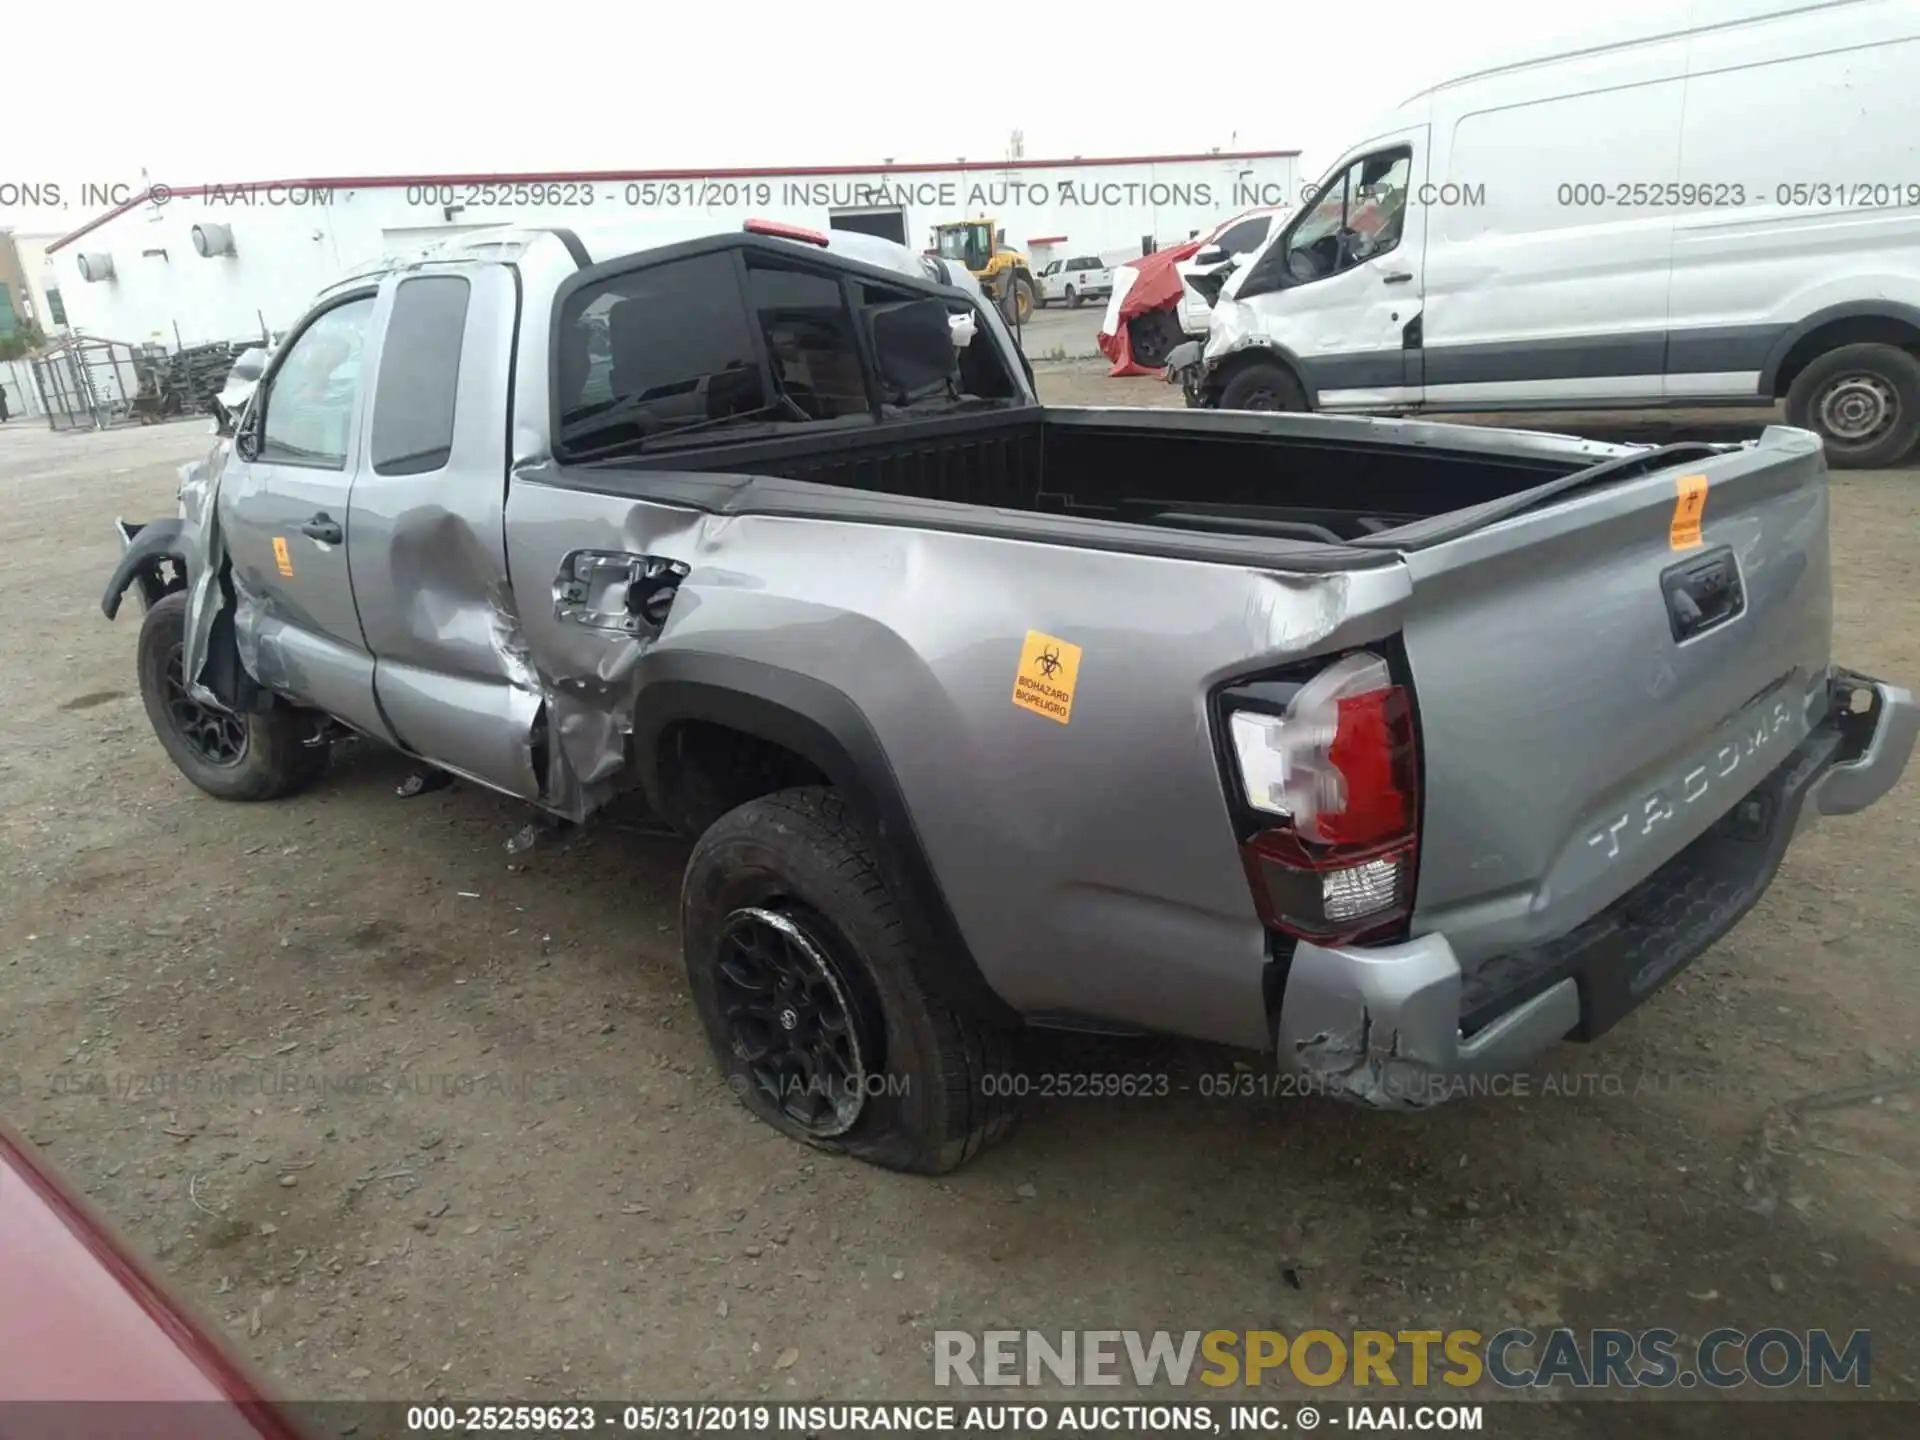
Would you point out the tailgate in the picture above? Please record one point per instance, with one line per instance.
(1602, 676)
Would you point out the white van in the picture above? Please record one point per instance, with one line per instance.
(1084, 277)
(1721, 209)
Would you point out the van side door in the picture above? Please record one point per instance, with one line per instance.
(428, 521)
(1339, 289)
(283, 511)
(1550, 244)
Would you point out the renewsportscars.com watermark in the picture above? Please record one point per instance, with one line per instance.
(1513, 1359)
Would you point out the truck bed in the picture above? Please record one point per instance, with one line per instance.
(1286, 477)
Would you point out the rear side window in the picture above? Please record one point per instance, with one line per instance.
(808, 329)
(656, 349)
(413, 401)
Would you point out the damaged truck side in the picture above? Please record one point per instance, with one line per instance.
(1403, 751)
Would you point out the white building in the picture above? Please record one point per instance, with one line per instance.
(223, 262)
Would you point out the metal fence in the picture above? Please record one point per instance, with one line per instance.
(88, 384)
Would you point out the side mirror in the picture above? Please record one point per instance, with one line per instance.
(246, 436)
(1212, 255)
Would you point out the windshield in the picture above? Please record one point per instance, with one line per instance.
(1325, 217)
(965, 243)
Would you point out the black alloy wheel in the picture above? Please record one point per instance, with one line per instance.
(216, 736)
(794, 1020)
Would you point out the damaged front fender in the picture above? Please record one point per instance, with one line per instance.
(186, 552)
(154, 559)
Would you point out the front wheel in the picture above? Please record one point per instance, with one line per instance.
(1262, 387)
(818, 1004)
(1863, 401)
(228, 755)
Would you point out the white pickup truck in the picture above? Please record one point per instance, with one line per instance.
(1082, 278)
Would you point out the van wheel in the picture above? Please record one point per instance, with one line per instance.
(1262, 387)
(1863, 401)
(228, 755)
(815, 999)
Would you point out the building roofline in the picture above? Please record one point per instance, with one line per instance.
(164, 193)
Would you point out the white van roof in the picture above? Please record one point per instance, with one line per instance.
(1632, 24)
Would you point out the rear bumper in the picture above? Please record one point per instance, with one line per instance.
(1404, 1027)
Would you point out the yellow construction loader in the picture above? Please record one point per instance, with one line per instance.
(981, 246)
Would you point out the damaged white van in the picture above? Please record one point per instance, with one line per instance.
(1719, 208)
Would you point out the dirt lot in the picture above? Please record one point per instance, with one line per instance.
(409, 1115)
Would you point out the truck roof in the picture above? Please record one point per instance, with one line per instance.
(598, 243)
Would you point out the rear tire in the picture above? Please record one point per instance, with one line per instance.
(230, 756)
(1863, 401)
(1262, 387)
(1073, 298)
(818, 1004)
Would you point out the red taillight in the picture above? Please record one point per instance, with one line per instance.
(1337, 773)
(1373, 751)
(785, 232)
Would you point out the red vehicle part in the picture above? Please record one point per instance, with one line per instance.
(1158, 288)
(83, 1320)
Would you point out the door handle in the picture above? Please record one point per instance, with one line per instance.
(1398, 277)
(324, 528)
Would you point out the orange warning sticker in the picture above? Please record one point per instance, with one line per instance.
(1049, 668)
(1684, 533)
(280, 556)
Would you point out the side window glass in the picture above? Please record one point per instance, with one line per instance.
(653, 350)
(309, 417)
(413, 398)
(808, 329)
(916, 361)
(1357, 217)
(1245, 236)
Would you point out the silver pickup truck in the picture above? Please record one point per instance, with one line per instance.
(1403, 751)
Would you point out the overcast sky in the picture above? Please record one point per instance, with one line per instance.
(223, 95)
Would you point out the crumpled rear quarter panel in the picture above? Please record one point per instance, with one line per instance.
(1091, 864)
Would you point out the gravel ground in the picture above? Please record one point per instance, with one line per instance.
(410, 1116)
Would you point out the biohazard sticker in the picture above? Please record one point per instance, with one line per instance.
(1044, 683)
(1684, 532)
(280, 556)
